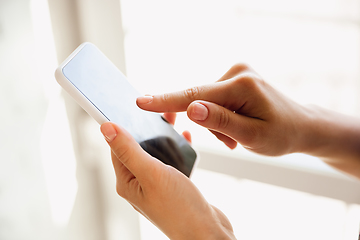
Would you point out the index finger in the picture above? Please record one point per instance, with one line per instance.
(218, 92)
(179, 101)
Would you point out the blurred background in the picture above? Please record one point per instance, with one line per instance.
(56, 177)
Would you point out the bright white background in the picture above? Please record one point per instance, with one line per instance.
(307, 49)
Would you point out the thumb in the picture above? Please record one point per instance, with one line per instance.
(217, 118)
(127, 150)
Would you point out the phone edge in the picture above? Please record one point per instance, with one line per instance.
(86, 103)
(74, 92)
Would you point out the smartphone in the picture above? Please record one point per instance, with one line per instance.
(103, 91)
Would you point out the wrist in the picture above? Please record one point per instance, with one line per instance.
(211, 224)
(315, 131)
(216, 232)
(204, 231)
(326, 133)
(300, 136)
(220, 226)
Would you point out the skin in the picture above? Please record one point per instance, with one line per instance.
(161, 193)
(240, 108)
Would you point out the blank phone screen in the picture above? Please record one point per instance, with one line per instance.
(102, 83)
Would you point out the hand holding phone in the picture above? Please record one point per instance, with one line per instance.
(104, 92)
(161, 193)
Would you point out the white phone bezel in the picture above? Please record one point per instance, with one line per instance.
(74, 92)
(86, 103)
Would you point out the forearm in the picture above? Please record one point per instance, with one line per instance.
(333, 137)
(211, 224)
(217, 233)
(265, 121)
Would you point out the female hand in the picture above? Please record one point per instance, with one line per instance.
(240, 107)
(161, 193)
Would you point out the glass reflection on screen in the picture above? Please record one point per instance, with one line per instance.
(102, 83)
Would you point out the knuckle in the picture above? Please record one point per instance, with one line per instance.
(123, 154)
(223, 119)
(239, 67)
(247, 82)
(165, 97)
(192, 93)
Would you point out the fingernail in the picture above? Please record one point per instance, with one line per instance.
(108, 131)
(145, 99)
(199, 112)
